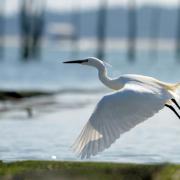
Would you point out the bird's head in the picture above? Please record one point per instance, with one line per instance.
(90, 61)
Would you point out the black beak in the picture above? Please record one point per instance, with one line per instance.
(77, 61)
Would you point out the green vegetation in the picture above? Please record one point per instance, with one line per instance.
(52, 170)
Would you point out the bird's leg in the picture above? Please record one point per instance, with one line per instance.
(175, 102)
(170, 107)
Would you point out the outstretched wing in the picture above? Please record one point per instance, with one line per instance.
(117, 113)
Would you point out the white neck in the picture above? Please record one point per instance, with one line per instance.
(102, 73)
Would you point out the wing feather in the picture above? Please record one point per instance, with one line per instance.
(117, 113)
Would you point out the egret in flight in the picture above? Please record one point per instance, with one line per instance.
(136, 98)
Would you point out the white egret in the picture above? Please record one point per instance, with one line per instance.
(136, 99)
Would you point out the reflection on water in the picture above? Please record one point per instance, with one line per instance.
(53, 128)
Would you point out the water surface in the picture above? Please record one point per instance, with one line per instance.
(53, 128)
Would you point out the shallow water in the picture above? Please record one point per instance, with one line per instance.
(49, 134)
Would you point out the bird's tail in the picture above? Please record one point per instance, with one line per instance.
(174, 87)
(171, 87)
(174, 90)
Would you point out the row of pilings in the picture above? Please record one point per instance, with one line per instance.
(32, 19)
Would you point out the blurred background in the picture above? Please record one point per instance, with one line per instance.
(135, 36)
(44, 103)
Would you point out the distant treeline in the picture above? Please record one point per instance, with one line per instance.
(117, 22)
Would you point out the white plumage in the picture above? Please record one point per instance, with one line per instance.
(137, 98)
(117, 113)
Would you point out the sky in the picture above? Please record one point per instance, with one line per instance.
(65, 5)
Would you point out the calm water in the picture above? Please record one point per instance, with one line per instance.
(53, 128)
(50, 73)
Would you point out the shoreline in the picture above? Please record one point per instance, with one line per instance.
(90, 43)
(53, 170)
